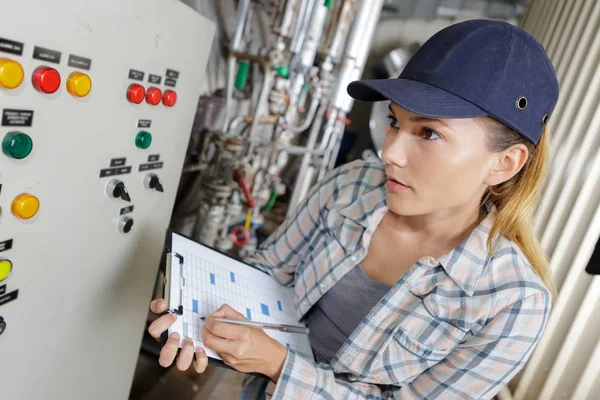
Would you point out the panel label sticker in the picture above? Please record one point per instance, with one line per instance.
(12, 117)
(153, 157)
(6, 245)
(170, 82)
(79, 62)
(126, 210)
(136, 75)
(114, 171)
(154, 79)
(40, 53)
(171, 73)
(7, 298)
(10, 46)
(146, 167)
(117, 162)
(144, 123)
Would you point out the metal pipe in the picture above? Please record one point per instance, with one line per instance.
(356, 52)
(301, 26)
(284, 28)
(344, 24)
(240, 24)
(297, 194)
(312, 111)
(299, 150)
(261, 104)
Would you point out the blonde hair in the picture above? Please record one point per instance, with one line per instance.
(516, 199)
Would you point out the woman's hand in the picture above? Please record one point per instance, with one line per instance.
(169, 350)
(244, 348)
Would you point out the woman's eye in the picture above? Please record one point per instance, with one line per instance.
(429, 134)
(393, 122)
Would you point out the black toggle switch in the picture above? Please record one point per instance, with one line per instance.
(117, 189)
(2, 325)
(152, 181)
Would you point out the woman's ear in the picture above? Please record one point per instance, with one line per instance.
(507, 164)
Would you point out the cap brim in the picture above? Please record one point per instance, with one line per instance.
(417, 97)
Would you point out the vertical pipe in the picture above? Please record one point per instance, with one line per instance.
(241, 19)
(357, 51)
(298, 194)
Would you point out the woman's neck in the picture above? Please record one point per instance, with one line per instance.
(446, 228)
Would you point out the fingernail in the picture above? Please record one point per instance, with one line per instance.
(174, 335)
(199, 350)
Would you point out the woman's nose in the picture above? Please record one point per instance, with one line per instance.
(394, 150)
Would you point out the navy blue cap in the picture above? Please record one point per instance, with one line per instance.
(472, 69)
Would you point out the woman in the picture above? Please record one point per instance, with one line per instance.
(420, 278)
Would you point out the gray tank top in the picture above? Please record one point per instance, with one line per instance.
(335, 316)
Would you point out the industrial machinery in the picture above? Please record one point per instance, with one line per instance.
(97, 100)
(276, 126)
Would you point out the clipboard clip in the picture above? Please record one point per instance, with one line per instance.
(174, 298)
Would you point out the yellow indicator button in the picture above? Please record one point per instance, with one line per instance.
(25, 206)
(5, 269)
(79, 84)
(11, 73)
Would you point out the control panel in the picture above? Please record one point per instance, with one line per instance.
(97, 101)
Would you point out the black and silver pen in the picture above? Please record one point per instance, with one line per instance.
(264, 325)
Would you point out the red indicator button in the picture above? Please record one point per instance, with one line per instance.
(46, 80)
(153, 96)
(169, 98)
(136, 93)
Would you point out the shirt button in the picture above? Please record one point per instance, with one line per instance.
(322, 286)
(353, 258)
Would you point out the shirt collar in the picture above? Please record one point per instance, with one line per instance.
(466, 262)
(463, 264)
(366, 206)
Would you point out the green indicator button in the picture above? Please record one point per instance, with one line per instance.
(17, 145)
(143, 139)
(283, 71)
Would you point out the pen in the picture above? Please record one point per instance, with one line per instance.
(264, 325)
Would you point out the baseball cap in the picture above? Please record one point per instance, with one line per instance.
(474, 68)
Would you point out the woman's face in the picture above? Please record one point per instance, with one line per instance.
(435, 164)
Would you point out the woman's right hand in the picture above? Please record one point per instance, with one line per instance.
(169, 350)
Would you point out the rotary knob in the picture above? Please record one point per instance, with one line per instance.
(152, 181)
(116, 189)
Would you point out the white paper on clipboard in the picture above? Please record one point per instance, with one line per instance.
(199, 280)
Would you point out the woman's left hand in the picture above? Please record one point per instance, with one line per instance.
(247, 349)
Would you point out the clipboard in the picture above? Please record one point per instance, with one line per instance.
(198, 277)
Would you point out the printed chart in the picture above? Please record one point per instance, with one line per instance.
(213, 279)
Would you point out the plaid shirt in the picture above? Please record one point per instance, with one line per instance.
(459, 327)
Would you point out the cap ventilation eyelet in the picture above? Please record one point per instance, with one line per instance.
(545, 119)
(522, 103)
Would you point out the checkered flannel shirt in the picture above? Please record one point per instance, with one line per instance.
(457, 327)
